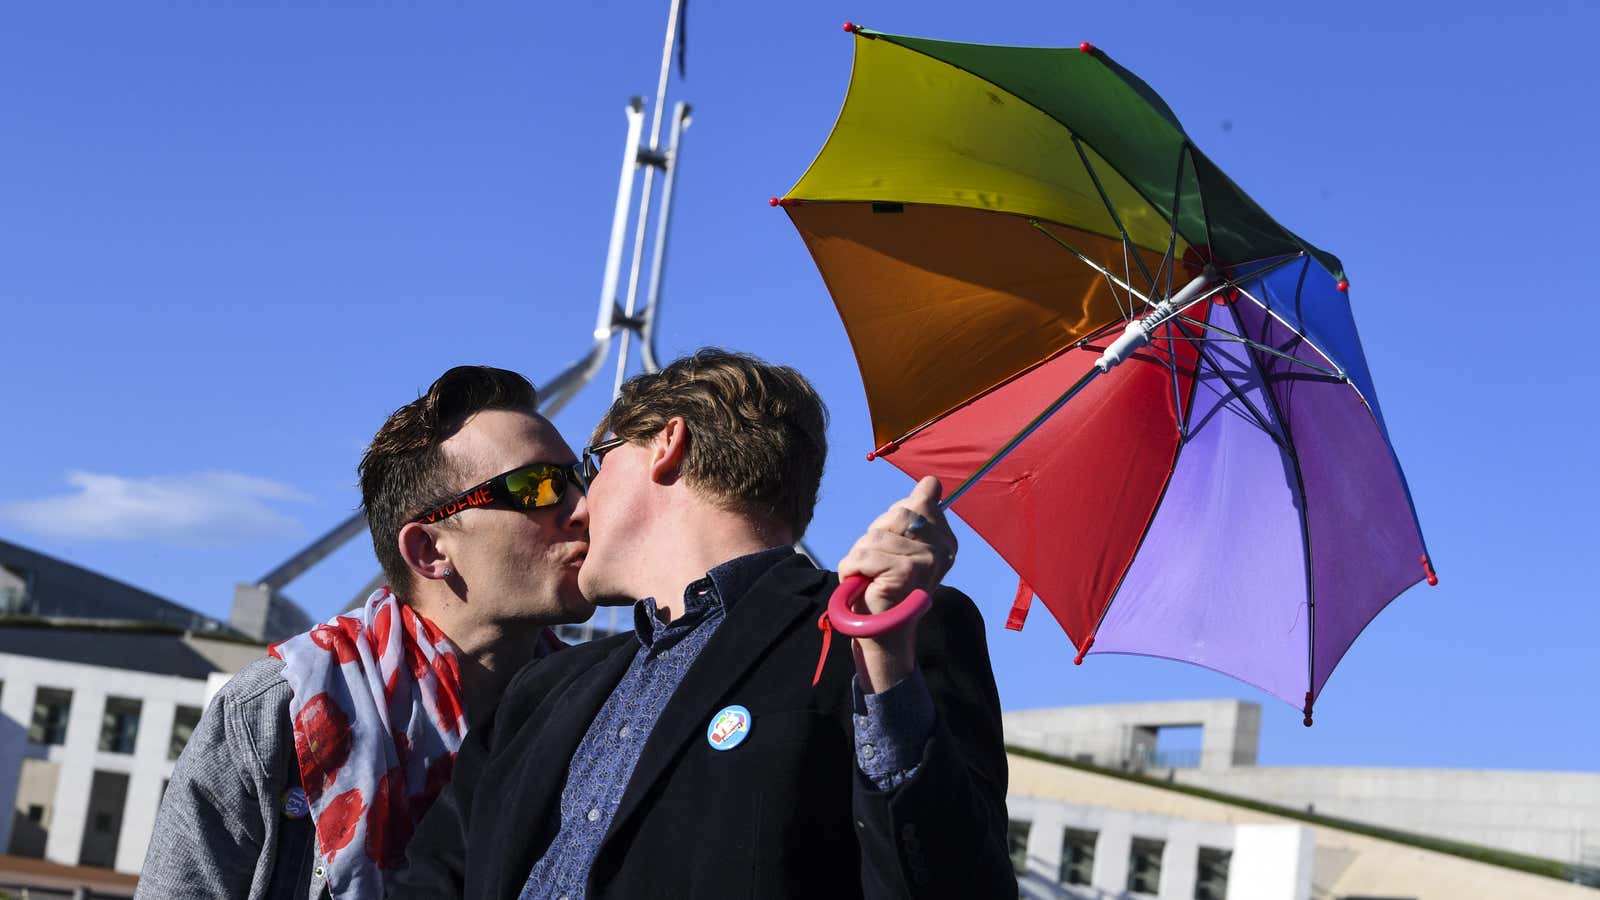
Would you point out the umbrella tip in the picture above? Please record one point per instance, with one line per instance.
(783, 201)
(1078, 660)
(1427, 569)
(1308, 709)
(885, 450)
(1343, 286)
(851, 27)
(1086, 47)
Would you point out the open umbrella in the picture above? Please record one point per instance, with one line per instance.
(1154, 391)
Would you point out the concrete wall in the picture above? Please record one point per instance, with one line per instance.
(229, 656)
(1555, 815)
(1114, 736)
(1345, 863)
(79, 757)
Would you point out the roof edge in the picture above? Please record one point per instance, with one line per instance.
(1506, 859)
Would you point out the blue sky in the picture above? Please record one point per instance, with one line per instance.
(235, 238)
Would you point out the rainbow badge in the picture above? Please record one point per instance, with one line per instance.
(728, 728)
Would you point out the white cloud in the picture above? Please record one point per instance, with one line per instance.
(202, 508)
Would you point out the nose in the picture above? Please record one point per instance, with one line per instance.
(578, 519)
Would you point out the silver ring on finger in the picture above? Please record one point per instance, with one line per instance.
(919, 523)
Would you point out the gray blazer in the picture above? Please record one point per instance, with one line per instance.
(222, 833)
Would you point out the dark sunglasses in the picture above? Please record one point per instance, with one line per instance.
(534, 486)
(593, 453)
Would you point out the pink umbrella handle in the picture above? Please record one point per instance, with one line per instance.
(849, 622)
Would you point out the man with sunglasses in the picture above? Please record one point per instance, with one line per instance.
(310, 768)
(731, 745)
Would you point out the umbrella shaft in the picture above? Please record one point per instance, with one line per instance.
(1136, 335)
(1024, 434)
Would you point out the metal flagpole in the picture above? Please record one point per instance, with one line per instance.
(261, 610)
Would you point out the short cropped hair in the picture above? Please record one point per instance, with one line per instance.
(404, 471)
(757, 431)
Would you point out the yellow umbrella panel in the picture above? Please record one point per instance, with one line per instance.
(952, 216)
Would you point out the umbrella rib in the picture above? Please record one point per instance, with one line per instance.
(1086, 339)
(1127, 314)
(1256, 345)
(1170, 264)
(1016, 441)
(1299, 334)
(1210, 292)
(1200, 197)
(1227, 405)
(1106, 201)
(1305, 531)
(1233, 388)
(1166, 258)
(1084, 258)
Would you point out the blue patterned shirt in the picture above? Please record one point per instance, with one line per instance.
(892, 727)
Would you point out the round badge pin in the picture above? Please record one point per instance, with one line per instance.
(728, 728)
(295, 804)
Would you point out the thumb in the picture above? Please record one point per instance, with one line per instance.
(926, 494)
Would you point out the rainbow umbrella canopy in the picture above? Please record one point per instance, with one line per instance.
(1178, 443)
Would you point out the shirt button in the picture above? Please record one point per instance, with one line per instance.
(318, 870)
(623, 732)
(868, 751)
(594, 814)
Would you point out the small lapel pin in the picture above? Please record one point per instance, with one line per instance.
(728, 728)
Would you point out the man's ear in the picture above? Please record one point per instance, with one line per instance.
(421, 551)
(668, 451)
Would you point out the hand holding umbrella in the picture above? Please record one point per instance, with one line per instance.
(903, 555)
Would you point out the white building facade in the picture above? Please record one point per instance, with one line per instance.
(86, 749)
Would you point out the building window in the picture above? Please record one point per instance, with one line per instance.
(13, 590)
(183, 726)
(35, 813)
(1077, 856)
(1144, 865)
(1211, 880)
(1017, 840)
(51, 707)
(119, 725)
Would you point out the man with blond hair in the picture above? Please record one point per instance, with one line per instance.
(728, 746)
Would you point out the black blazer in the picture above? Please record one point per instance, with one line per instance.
(783, 814)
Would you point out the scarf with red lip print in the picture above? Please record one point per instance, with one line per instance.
(378, 720)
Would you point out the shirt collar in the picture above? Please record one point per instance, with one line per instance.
(722, 587)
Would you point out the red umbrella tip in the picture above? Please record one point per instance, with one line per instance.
(784, 201)
(851, 27)
(1343, 286)
(1086, 47)
(773, 201)
(1427, 569)
(1308, 721)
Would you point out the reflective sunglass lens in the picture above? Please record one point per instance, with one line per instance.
(537, 487)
